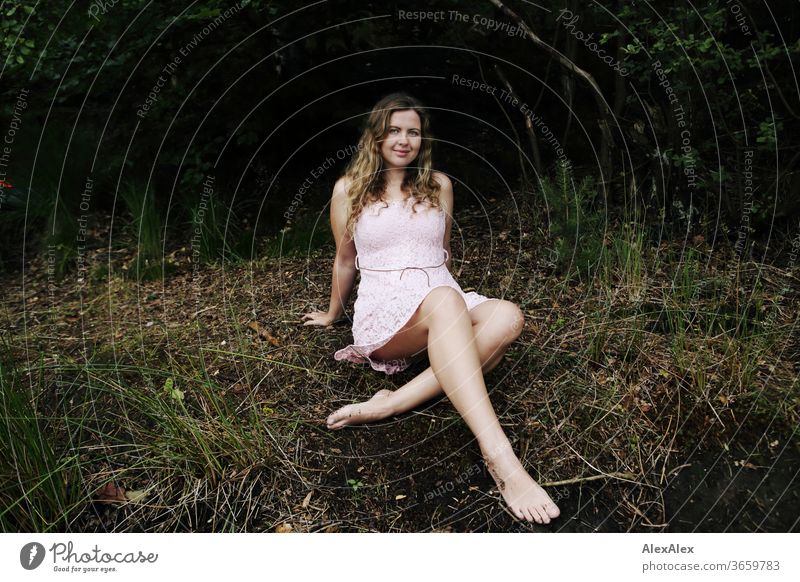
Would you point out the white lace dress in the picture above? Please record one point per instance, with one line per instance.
(401, 258)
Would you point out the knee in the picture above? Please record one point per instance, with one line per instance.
(510, 321)
(444, 299)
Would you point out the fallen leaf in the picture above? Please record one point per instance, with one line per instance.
(110, 493)
(263, 333)
(307, 500)
(284, 528)
(135, 496)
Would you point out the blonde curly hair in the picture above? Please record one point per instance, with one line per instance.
(366, 173)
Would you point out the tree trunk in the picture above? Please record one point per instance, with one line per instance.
(537, 158)
(605, 122)
(568, 80)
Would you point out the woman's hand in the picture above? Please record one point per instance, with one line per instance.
(318, 318)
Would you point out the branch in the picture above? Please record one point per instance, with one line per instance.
(606, 113)
(562, 60)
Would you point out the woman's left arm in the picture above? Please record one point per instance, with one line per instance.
(446, 200)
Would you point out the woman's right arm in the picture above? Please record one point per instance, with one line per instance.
(344, 266)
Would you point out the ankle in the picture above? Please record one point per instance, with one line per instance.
(497, 450)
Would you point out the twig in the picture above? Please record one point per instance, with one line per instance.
(196, 313)
(624, 476)
(309, 370)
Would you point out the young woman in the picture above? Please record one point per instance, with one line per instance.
(391, 216)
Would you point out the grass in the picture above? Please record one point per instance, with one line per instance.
(164, 437)
(146, 230)
(306, 233)
(186, 425)
(217, 235)
(574, 222)
(210, 426)
(40, 488)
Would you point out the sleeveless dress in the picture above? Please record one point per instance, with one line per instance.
(400, 255)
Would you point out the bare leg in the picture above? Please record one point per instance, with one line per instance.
(385, 403)
(496, 324)
(455, 361)
(456, 364)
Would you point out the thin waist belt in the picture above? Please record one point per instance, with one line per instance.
(446, 256)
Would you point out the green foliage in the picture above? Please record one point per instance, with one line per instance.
(61, 237)
(17, 46)
(308, 232)
(216, 231)
(145, 231)
(102, 64)
(712, 75)
(575, 224)
(39, 483)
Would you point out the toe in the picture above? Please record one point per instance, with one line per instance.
(529, 515)
(541, 516)
(552, 510)
(336, 420)
(338, 415)
(519, 513)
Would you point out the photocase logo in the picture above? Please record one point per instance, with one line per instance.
(31, 555)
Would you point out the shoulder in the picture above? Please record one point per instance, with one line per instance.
(445, 191)
(443, 180)
(341, 187)
(340, 204)
(339, 198)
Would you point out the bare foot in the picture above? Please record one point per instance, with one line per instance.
(526, 499)
(373, 409)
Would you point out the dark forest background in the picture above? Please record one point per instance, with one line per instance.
(628, 173)
(272, 89)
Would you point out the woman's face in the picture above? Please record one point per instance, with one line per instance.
(400, 145)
